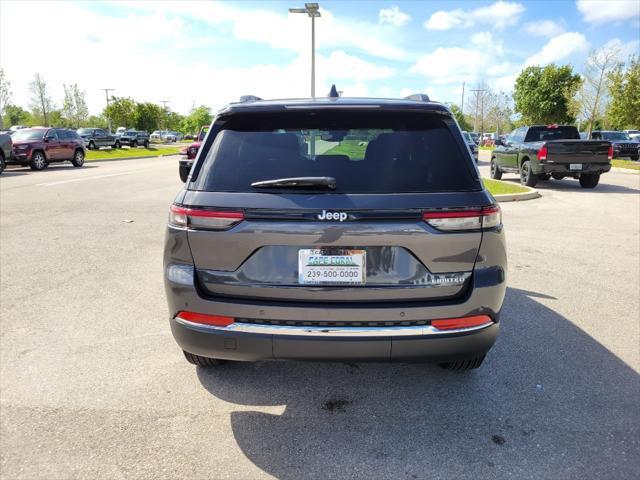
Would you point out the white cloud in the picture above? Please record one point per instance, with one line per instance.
(393, 16)
(544, 28)
(455, 64)
(147, 49)
(602, 11)
(442, 20)
(285, 30)
(482, 38)
(625, 50)
(558, 48)
(499, 14)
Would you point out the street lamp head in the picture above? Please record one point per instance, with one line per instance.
(312, 9)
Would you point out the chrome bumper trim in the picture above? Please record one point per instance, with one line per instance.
(395, 331)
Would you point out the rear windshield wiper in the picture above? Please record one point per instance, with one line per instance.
(297, 182)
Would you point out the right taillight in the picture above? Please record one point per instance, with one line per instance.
(610, 152)
(202, 219)
(461, 220)
(542, 153)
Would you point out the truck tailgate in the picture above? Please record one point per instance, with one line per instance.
(578, 151)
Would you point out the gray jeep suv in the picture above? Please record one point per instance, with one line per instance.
(335, 229)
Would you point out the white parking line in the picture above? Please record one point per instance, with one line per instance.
(94, 177)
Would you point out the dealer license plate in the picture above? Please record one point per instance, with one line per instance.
(328, 266)
(575, 166)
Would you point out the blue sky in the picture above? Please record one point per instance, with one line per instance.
(212, 52)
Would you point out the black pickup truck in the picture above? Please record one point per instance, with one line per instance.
(540, 152)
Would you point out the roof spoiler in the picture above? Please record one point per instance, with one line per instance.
(249, 98)
(418, 97)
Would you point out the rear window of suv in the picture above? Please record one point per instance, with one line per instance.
(365, 151)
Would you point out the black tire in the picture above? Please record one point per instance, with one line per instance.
(38, 161)
(496, 173)
(117, 144)
(557, 176)
(134, 144)
(203, 362)
(78, 158)
(146, 144)
(91, 146)
(527, 177)
(2, 162)
(635, 159)
(463, 364)
(589, 180)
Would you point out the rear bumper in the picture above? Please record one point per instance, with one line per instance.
(227, 343)
(252, 341)
(563, 168)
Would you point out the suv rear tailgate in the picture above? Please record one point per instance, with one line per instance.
(405, 257)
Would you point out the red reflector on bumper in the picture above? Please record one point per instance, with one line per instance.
(205, 319)
(464, 322)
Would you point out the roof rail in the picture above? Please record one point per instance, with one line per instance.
(249, 98)
(418, 97)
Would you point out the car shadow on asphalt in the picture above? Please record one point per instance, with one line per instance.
(16, 171)
(568, 184)
(549, 402)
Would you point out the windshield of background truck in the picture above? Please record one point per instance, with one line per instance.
(615, 136)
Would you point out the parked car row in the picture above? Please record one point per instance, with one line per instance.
(166, 136)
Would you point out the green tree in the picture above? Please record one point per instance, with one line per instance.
(543, 94)
(148, 116)
(197, 118)
(15, 115)
(74, 107)
(5, 95)
(624, 90)
(41, 102)
(591, 99)
(56, 119)
(173, 121)
(460, 117)
(97, 122)
(121, 111)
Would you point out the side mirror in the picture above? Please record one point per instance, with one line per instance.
(184, 169)
(46, 139)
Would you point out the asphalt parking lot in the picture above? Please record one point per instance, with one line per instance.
(92, 384)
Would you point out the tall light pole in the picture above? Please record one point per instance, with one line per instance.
(164, 111)
(311, 9)
(106, 91)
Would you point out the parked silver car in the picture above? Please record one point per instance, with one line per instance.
(335, 229)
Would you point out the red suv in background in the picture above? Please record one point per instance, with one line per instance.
(37, 147)
(191, 151)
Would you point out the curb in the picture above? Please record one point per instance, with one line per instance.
(517, 197)
(624, 170)
(131, 158)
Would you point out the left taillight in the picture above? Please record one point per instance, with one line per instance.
(610, 153)
(542, 153)
(202, 219)
(463, 220)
